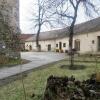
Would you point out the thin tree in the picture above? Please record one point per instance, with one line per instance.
(68, 9)
(42, 16)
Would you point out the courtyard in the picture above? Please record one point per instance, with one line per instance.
(36, 59)
(35, 82)
(49, 50)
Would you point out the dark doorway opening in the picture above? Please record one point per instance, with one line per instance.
(39, 47)
(30, 47)
(60, 45)
(98, 43)
(77, 44)
(49, 47)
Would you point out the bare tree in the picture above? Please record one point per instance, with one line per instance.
(42, 16)
(68, 9)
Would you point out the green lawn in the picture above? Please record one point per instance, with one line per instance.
(35, 82)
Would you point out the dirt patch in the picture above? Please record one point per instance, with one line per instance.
(68, 88)
(75, 67)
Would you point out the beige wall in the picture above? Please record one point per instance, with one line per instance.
(44, 45)
(86, 44)
(28, 44)
(63, 40)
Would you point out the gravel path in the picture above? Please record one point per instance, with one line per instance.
(37, 59)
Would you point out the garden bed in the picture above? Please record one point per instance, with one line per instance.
(9, 62)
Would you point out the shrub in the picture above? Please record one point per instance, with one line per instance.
(66, 51)
(3, 59)
(61, 51)
(57, 50)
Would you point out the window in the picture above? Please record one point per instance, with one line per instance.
(64, 44)
(93, 41)
(56, 45)
(30, 47)
(39, 46)
(77, 44)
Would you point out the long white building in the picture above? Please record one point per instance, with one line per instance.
(86, 38)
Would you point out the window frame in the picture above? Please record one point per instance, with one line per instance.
(64, 44)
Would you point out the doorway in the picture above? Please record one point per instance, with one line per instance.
(98, 43)
(39, 47)
(30, 47)
(49, 47)
(60, 45)
(77, 44)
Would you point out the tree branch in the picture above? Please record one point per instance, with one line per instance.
(71, 1)
(65, 15)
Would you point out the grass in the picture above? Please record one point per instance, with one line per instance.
(35, 82)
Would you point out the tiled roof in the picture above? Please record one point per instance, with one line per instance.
(24, 37)
(89, 26)
(86, 27)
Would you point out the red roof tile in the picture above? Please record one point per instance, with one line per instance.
(23, 37)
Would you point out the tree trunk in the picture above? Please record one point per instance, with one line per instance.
(37, 39)
(71, 36)
(71, 47)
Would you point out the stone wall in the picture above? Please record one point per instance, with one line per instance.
(10, 11)
(9, 27)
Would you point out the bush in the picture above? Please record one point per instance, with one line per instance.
(3, 59)
(57, 50)
(66, 51)
(68, 88)
(61, 51)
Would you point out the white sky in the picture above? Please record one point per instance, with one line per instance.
(26, 7)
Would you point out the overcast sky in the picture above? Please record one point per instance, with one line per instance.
(26, 26)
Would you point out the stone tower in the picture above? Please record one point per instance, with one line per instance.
(10, 12)
(9, 28)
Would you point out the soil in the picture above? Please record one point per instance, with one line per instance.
(68, 88)
(75, 67)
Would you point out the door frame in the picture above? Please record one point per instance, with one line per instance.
(49, 47)
(98, 43)
(60, 45)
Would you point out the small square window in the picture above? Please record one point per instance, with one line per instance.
(56, 45)
(93, 41)
(64, 44)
